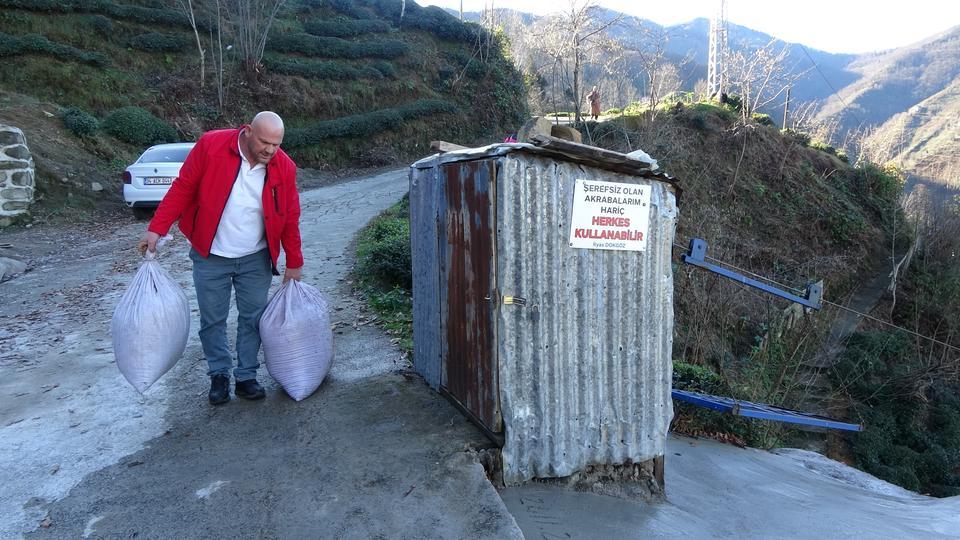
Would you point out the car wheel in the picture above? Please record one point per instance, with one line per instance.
(142, 213)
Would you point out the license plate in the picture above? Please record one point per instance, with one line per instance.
(157, 180)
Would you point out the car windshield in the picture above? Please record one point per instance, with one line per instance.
(165, 155)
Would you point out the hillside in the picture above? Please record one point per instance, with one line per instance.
(893, 82)
(910, 95)
(356, 85)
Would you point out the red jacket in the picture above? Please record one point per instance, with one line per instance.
(199, 195)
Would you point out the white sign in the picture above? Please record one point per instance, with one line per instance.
(610, 215)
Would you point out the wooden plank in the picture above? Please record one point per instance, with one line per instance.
(444, 146)
(590, 154)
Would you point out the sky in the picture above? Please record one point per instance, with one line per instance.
(837, 26)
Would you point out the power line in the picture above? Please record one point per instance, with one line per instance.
(825, 301)
(834, 90)
(881, 321)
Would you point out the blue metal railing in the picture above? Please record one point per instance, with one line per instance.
(748, 409)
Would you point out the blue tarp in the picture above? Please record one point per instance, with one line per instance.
(758, 410)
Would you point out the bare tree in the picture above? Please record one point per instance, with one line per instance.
(617, 76)
(218, 57)
(187, 7)
(570, 40)
(662, 76)
(760, 76)
(252, 20)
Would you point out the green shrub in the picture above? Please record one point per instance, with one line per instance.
(343, 28)
(13, 19)
(846, 226)
(138, 126)
(696, 379)
(914, 443)
(365, 124)
(322, 70)
(823, 147)
(430, 19)
(613, 112)
(635, 108)
(80, 122)
(883, 183)
(675, 97)
(346, 7)
(707, 116)
(37, 44)
(463, 62)
(762, 119)
(157, 42)
(386, 252)
(140, 14)
(799, 137)
(383, 270)
(330, 47)
(103, 25)
(385, 68)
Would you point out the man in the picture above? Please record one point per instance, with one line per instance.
(236, 201)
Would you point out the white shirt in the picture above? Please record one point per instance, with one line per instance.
(241, 231)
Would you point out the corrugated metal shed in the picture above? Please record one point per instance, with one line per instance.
(582, 369)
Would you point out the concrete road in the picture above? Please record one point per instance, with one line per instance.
(374, 453)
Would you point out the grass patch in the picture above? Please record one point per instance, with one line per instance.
(91, 88)
(365, 123)
(383, 271)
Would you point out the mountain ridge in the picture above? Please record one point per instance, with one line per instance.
(903, 96)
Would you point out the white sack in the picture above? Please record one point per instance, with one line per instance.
(297, 339)
(150, 325)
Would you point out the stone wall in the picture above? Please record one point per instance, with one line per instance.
(16, 174)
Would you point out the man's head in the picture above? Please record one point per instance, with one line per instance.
(262, 138)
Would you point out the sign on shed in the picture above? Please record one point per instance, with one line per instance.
(610, 215)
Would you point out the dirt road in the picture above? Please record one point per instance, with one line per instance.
(373, 453)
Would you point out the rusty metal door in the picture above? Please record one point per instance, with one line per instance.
(469, 298)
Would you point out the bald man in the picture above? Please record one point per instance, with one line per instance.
(236, 202)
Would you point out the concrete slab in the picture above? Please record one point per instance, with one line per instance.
(721, 491)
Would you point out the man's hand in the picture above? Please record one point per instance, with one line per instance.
(295, 274)
(149, 241)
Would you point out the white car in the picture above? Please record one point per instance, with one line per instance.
(149, 178)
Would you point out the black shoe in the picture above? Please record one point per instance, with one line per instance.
(249, 390)
(219, 389)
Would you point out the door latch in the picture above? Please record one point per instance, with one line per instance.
(514, 301)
